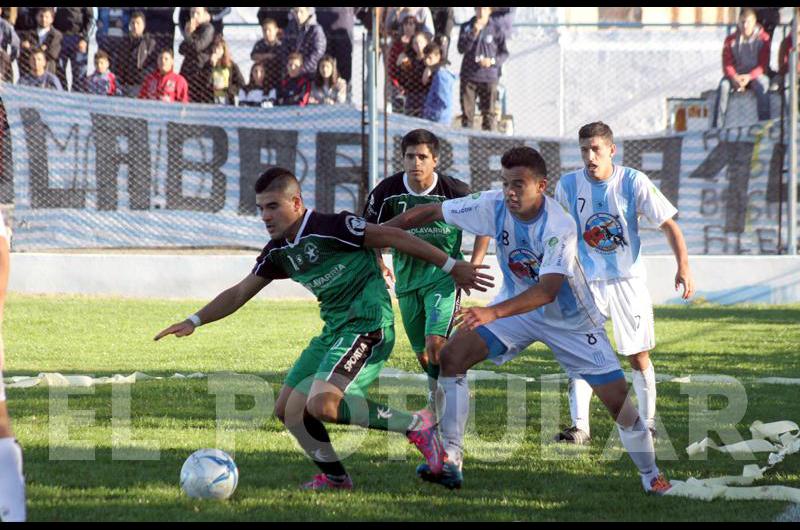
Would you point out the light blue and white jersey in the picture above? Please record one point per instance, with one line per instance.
(608, 213)
(526, 250)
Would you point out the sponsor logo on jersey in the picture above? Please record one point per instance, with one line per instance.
(320, 281)
(604, 233)
(525, 265)
(356, 225)
(465, 209)
(312, 252)
(475, 195)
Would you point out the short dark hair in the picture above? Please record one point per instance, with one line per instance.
(102, 54)
(167, 50)
(524, 156)
(277, 179)
(420, 137)
(295, 55)
(138, 14)
(596, 128)
(38, 51)
(269, 22)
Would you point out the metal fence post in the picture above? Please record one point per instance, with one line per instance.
(372, 95)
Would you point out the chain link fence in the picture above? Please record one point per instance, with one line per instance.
(84, 170)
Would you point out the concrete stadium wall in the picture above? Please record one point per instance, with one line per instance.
(719, 279)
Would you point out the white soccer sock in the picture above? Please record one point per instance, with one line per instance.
(12, 483)
(580, 397)
(456, 413)
(644, 383)
(638, 441)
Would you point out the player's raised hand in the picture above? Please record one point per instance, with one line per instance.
(181, 329)
(684, 277)
(468, 276)
(469, 318)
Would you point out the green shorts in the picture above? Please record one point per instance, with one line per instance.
(349, 359)
(429, 310)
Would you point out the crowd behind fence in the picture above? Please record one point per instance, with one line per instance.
(503, 82)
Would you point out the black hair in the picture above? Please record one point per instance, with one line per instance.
(420, 137)
(277, 179)
(523, 156)
(596, 128)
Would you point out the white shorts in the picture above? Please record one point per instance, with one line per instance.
(580, 353)
(627, 302)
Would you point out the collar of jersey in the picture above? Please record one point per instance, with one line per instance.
(595, 182)
(531, 220)
(299, 233)
(426, 192)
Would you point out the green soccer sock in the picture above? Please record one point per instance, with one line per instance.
(381, 417)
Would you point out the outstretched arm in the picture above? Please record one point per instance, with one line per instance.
(417, 216)
(540, 294)
(226, 302)
(678, 244)
(465, 274)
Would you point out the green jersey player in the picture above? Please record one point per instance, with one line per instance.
(330, 255)
(427, 296)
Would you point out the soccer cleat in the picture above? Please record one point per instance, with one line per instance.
(426, 438)
(323, 482)
(658, 486)
(573, 435)
(451, 477)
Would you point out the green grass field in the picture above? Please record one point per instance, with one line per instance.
(510, 475)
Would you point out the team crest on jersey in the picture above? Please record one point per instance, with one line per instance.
(525, 265)
(312, 252)
(604, 233)
(356, 225)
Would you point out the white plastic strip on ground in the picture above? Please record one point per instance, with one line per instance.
(780, 439)
(60, 380)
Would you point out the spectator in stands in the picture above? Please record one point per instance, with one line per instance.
(395, 15)
(9, 49)
(783, 61)
(196, 50)
(102, 82)
(216, 14)
(279, 14)
(745, 60)
(255, 92)
(328, 88)
(45, 37)
(160, 24)
(295, 89)
(224, 75)
(443, 22)
(411, 65)
(26, 19)
(400, 43)
(439, 101)
(112, 27)
(305, 36)
(164, 84)
(38, 75)
(74, 23)
(338, 23)
(269, 53)
(137, 57)
(483, 44)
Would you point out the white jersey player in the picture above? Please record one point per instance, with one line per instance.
(607, 201)
(12, 482)
(544, 298)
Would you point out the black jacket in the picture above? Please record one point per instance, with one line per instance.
(74, 21)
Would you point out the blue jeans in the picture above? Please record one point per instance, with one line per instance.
(759, 86)
(77, 60)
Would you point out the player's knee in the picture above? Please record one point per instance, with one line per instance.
(640, 361)
(433, 348)
(323, 408)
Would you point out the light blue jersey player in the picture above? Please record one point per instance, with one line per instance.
(608, 201)
(544, 297)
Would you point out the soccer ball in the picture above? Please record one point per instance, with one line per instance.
(209, 474)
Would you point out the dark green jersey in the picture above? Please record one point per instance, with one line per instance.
(328, 257)
(394, 196)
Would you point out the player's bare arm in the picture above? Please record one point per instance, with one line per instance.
(678, 245)
(417, 217)
(479, 249)
(540, 294)
(386, 272)
(466, 275)
(225, 303)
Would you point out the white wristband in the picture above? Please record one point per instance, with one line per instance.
(194, 319)
(448, 265)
